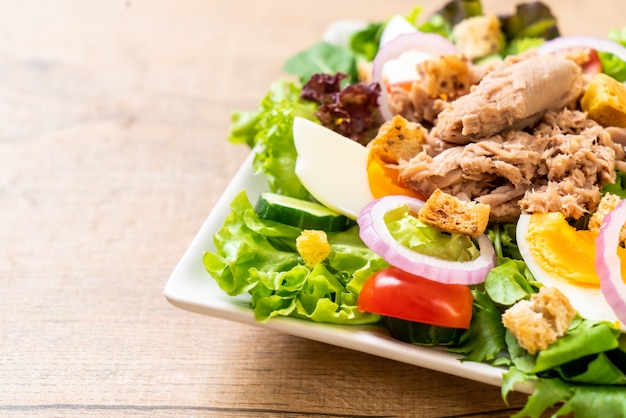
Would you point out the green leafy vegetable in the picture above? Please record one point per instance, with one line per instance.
(323, 57)
(619, 187)
(457, 10)
(269, 131)
(425, 239)
(504, 241)
(509, 282)
(530, 20)
(351, 111)
(586, 401)
(365, 42)
(611, 64)
(246, 260)
(519, 45)
(484, 341)
(586, 339)
(437, 24)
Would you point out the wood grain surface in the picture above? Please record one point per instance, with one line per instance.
(114, 117)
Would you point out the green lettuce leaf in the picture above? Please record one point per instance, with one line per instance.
(455, 11)
(247, 259)
(323, 57)
(268, 130)
(240, 250)
(519, 45)
(585, 401)
(611, 64)
(437, 24)
(365, 43)
(503, 238)
(617, 188)
(427, 240)
(509, 282)
(586, 339)
(530, 20)
(484, 341)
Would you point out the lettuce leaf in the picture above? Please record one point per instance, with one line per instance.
(612, 65)
(455, 11)
(247, 260)
(617, 188)
(351, 110)
(323, 57)
(509, 282)
(504, 240)
(427, 240)
(530, 20)
(365, 43)
(586, 339)
(586, 401)
(484, 341)
(268, 130)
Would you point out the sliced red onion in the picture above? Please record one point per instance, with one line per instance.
(608, 264)
(582, 41)
(376, 235)
(428, 43)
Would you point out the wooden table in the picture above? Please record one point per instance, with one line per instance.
(113, 151)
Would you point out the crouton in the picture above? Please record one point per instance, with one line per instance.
(447, 77)
(397, 140)
(605, 101)
(540, 321)
(313, 246)
(607, 203)
(478, 36)
(451, 214)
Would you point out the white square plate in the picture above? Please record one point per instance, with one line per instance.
(191, 288)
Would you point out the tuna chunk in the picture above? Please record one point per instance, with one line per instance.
(559, 167)
(511, 98)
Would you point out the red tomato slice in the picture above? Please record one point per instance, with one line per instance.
(398, 294)
(594, 65)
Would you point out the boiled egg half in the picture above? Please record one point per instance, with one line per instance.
(560, 256)
(333, 168)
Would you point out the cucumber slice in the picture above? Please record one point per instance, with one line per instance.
(422, 334)
(300, 213)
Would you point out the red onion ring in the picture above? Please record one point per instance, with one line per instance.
(428, 43)
(608, 264)
(582, 41)
(376, 235)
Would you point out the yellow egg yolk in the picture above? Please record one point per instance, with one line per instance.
(565, 252)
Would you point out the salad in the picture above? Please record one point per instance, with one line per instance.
(457, 179)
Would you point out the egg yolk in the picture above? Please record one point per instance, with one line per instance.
(565, 252)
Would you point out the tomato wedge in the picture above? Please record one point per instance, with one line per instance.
(395, 293)
(594, 65)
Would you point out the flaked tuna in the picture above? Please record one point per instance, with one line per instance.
(511, 98)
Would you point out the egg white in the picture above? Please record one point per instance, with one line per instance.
(333, 168)
(589, 302)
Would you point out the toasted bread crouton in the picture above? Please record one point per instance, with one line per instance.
(398, 140)
(313, 246)
(607, 203)
(447, 77)
(452, 214)
(478, 36)
(605, 101)
(540, 321)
